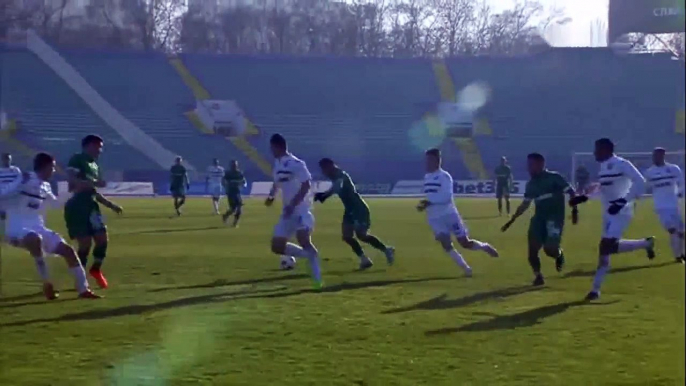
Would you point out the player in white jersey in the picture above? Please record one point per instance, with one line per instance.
(667, 183)
(27, 196)
(294, 180)
(8, 173)
(442, 215)
(213, 182)
(621, 184)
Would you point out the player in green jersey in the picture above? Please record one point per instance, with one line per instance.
(503, 184)
(547, 189)
(82, 211)
(356, 218)
(234, 181)
(178, 184)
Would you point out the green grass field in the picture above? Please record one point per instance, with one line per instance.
(193, 302)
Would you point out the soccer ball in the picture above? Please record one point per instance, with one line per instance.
(287, 263)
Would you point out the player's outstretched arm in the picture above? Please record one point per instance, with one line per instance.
(109, 204)
(521, 209)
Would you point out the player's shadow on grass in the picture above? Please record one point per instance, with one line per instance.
(349, 287)
(139, 309)
(441, 303)
(207, 299)
(172, 230)
(228, 283)
(581, 273)
(5, 299)
(521, 319)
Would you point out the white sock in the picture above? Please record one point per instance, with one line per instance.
(457, 257)
(80, 280)
(600, 273)
(313, 258)
(42, 268)
(676, 241)
(216, 205)
(632, 245)
(478, 245)
(295, 251)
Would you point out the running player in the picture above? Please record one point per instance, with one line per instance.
(547, 189)
(178, 184)
(82, 211)
(667, 182)
(294, 180)
(213, 182)
(620, 185)
(503, 183)
(26, 198)
(234, 182)
(442, 214)
(356, 218)
(8, 174)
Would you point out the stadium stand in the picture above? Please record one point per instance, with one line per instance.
(51, 117)
(361, 112)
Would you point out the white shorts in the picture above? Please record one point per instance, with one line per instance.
(447, 224)
(51, 239)
(671, 218)
(614, 226)
(286, 227)
(215, 191)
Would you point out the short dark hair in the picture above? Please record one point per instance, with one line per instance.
(278, 140)
(606, 143)
(91, 138)
(326, 162)
(42, 160)
(536, 157)
(435, 152)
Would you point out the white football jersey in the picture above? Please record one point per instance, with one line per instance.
(666, 182)
(618, 179)
(438, 187)
(289, 174)
(215, 174)
(27, 202)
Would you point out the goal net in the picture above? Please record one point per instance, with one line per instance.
(642, 161)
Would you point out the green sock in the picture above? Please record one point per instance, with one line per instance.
(375, 243)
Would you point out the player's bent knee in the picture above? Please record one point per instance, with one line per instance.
(551, 250)
(608, 246)
(465, 242)
(33, 242)
(361, 234)
(67, 252)
(278, 245)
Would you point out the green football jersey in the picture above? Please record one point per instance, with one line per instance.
(547, 190)
(178, 176)
(344, 187)
(234, 181)
(86, 168)
(503, 174)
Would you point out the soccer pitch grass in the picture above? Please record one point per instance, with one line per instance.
(192, 302)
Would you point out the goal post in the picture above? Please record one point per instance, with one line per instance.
(642, 161)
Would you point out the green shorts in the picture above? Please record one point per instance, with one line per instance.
(546, 231)
(235, 201)
(83, 219)
(178, 191)
(359, 219)
(502, 190)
